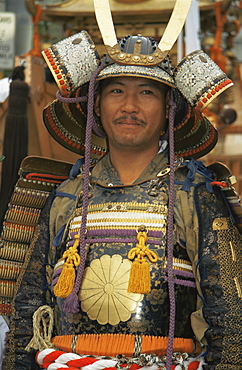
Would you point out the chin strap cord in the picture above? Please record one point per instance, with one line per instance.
(171, 287)
(71, 303)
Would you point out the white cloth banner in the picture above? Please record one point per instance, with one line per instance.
(3, 330)
(192, 28)
(4, 89)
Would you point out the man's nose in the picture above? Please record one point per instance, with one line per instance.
(130, 104)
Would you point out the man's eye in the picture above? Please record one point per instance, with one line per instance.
(147, 92)
(116, 91)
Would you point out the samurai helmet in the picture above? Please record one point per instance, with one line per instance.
(196, 81)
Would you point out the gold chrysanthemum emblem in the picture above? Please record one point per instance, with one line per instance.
(103, 294)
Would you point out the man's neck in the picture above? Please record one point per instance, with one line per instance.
(130, 164)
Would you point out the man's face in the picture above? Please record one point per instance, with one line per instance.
(132, 112)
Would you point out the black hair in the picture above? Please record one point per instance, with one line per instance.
(18, 73)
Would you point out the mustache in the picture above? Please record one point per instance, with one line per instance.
(130, 118)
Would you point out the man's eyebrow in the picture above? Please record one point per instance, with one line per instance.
(142, 84)
(152, 85)
(110, 83)
(148, 84)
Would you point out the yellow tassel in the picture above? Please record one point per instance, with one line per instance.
(139, 280)
(66, 281)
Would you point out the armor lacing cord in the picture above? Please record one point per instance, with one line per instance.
(71, 304)
(43, 321)
(170, 235)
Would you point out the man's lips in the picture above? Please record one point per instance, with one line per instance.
(129, 121)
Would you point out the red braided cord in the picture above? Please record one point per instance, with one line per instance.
(50, 358)
(219, 183)
(82, 362)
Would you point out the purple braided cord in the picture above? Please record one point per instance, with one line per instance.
(78, 99)
(188, 283)
(121, 240)
(71, 303)
(180, 273)
(170, 237)
(122, 232)
(70, 100)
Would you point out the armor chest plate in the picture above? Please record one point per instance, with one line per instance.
(111, 232)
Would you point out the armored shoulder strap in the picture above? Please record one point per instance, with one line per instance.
(38, 177)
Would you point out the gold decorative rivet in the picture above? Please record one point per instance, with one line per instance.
(136, 58)
(121, 56)
(150, 59)
(77, 41)
(203, 59)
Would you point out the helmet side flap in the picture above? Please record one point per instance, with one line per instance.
(72, 61)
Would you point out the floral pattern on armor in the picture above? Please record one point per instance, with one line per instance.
(104, 294)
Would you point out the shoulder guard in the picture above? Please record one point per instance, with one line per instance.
(38, 177)
(225, 181)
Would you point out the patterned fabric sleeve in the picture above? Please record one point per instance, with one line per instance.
(220, 267)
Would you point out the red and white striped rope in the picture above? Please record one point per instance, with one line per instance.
(52, 359)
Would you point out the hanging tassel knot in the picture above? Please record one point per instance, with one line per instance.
(67, 277)
(43, 323)
(139, 281)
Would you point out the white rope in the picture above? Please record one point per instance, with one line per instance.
(57, 366)
(101, 364)
(41, 355)
(62, 360)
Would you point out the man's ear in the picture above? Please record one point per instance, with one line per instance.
(96, 106)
